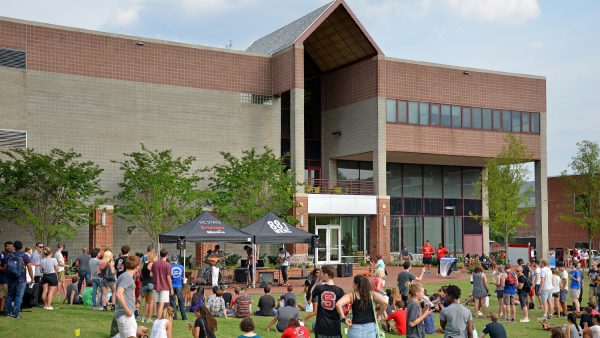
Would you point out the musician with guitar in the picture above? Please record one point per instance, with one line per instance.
(215, 260)
(283, 258)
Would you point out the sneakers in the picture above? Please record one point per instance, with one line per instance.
(49, 308)
(542, 319)
(479, 314)
(524, 320)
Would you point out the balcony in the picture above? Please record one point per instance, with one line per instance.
(339, 187)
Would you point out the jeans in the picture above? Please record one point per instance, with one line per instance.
(15, 294)
(84, 276)
(179, 294)
(368, 330)
(284, 274)
(96, 283)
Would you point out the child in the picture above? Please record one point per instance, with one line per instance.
(162, 328)
(73, 296)
(295, 330)
(247, 326)
(205, 324)
(396, 322)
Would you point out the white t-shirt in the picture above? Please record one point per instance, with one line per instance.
(555, 283)
(547, 274)
(61, 260)
(284, 257)
(595, 331)
(565, 275)
(538, 278)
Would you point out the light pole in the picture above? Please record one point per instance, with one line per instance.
(453, 208)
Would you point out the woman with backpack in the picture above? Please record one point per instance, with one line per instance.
(107, 272)
(510, 292)
(49, 278)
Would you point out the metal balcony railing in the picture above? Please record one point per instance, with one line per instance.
(340, 187)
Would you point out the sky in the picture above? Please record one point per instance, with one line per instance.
(556, 39)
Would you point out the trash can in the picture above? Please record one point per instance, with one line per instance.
(446, 264)
(344, 270)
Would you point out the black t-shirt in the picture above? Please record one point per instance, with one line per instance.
(120, 265)
(309, 283)
(522, 279)
(328, 320)
(525, 269)
(266, 304)
(227, 296)
(495, 330)
(201, 323)
(586, 318)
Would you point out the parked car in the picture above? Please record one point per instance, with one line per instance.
(594, 256)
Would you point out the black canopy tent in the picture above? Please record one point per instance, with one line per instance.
(270, 229)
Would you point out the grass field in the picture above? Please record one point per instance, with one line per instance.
(63, 322)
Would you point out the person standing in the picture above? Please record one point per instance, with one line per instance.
(324, 298)
(60, 272)
(8, 248)
(177, 280)
(480, 290)
(96, 279)
(404, 278)
(148, 287)
(120, 262)
(455, 319)
(251, 263)
(523, 287)
(564, 288)
(161, 278)
(441, 253)
(106, 270)
(546, 290)
(16, 264)
(575, 287)
(594, 275)
(415, 316)
(36, 259)
(284, 260)
(309, 285)
(510, 291)
(427, 251)
(125, 305)
(49, 282)
(83, 264)
(498, 280)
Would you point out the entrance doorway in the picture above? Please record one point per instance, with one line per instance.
(329, 250)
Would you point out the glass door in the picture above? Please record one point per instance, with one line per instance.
(329, 250)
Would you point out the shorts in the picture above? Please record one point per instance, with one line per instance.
(427, 260)
(50, 278)
(499, 294)
(508, 299)
(546, 295)
(105, 283)
(161, 296)
(147, 289)
(523, 299)
(127, 326)
(61, 276)
(574, 293)
(3, 291)
(563, 296)
(556, 295)
(537, 289)
(308, 307)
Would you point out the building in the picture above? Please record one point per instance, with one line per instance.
(390, 148)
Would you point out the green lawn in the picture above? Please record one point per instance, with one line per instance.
(66, 318)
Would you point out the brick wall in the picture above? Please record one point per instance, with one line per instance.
(283, 68)
(101, 235)
(380, 230)
(349, 84)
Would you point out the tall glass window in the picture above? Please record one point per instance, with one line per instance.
(516, 122)
(395, 232)
(432, 181)
(402, 111)
(446, 116)
(506, 120)
(433, 230)
(413, 112)
(435, 114)
(470, 178)
(452, 226)
(413, 233)
(487, 118)
(535, 123)
(390, 106)
(497, 120)
(348, 170)
(424, 113)
(477, 118)
(466, 122)
(525, 125)
(412, 181)
(456, 117)
(452, 182)
(394, 179)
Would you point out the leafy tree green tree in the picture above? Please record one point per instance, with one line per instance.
(245, 188)
(583, 188)
(508, 203)
(49, 195)
(159, 191)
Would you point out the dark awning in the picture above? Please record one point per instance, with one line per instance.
(272, 229)
(206, 228)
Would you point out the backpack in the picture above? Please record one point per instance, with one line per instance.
(15, 267)
(511, 278)
(527, 285)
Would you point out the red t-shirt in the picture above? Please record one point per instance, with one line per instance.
(296, 332)
(160, 270)
(427, 251)
(399, 318)
(441, 252)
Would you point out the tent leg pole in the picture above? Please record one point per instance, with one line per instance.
(183, 278)
(254, 268)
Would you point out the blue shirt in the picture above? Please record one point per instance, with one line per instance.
(177, 275)
(575, 274)
(26, 261)
(3, 279)
(510, 289)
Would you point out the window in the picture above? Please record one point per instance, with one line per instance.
(453, 234)
(391, 110)
(525, 125)
(456, 117)
(466, 113)
(435, 114)
(432, 181)
(433, 230)
(354, 170)
(535, 123)
(506, 120)
(452, 182)
(446, 117)
(402, 111)
(256, 99)
(413, 233)
(516, 122)
(413, 112)
(470, 178)
(477, 118)
(487, 118)
(395, 231)
(424, 113)
(10, 138)
(497, 120)
(394, 179)
(412, 181)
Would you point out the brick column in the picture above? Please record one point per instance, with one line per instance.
(101, 227)
(380, 230)
(201, 249)
(300, 212)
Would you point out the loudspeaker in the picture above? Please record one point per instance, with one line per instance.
(181, 244)
(243, 263)
(240, 275)
(260, 263)
(344, 270)
(314, 243)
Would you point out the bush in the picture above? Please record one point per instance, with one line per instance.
(232, 260)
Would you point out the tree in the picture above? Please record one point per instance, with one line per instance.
(244, 189)
(583, 186)
(508, 203)
(158, 191)
(49, 195)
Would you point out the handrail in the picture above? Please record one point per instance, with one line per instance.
(339, 187)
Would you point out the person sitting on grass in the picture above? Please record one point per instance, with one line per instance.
(295, 330)
(216, 304)
(494, 329)
(284, 314)
(266, 304)
(574, 329)
(205, 325)
(594, 330)
(247, 326)
(163, 328)
(396, 322)
(243, 304)
(73, 296)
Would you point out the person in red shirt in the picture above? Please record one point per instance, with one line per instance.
(441, 252)
(427, 256)
(396, 322)
(295, 330)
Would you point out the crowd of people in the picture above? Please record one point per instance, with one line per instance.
(123, 282)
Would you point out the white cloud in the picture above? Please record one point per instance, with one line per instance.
(391, 8)
(502, 11)
(127, 15)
